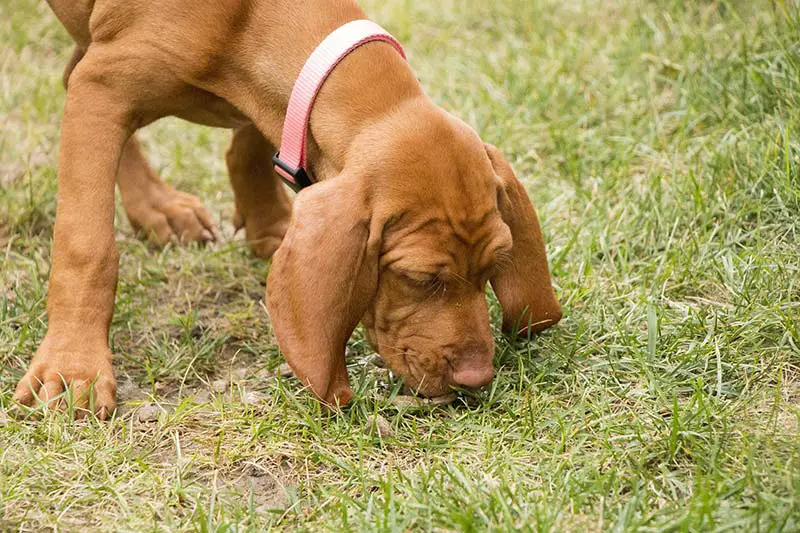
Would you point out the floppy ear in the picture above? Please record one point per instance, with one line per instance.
(321, 281)
(523, 285)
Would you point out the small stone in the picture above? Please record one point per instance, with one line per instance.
(253, 398)
(219, 385)
(407, 401)
(414, 401)
(376, 360)
(442, 400)
(148, 413)
(3, 418)
(379, 424)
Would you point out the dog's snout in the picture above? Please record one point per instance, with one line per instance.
(473, 367)
(473, 378)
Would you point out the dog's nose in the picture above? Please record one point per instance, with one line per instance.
(473, 367)
(473, 378)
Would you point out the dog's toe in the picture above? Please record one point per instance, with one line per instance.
(83, 384)
(188, 220)
(172, 216)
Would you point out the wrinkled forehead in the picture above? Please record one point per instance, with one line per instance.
(445, 244)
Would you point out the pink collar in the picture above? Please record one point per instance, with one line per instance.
(290, 161)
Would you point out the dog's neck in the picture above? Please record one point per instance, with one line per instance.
(366, 87)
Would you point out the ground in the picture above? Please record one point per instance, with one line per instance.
(657, 139)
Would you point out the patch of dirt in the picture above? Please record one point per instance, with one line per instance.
(235, 367)
(268, 482)
(129, 394)
(128, 391)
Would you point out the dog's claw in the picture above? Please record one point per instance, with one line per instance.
(172, 215)
(87, 381)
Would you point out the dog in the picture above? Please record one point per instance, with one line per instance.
(410, 217)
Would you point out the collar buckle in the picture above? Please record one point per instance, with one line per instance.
(335, 47)
(296, 178)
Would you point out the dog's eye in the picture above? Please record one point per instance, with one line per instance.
(418, 278)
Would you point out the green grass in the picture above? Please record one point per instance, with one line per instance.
(658, 139)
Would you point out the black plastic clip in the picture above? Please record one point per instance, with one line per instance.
(301, 179)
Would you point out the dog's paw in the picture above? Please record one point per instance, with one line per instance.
(264, 247)
(83, 381)
(166, 215)
(263, 236)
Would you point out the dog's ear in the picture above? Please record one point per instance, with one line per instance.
(321, 281)
(522, 285)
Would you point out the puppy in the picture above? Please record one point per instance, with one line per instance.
(411, 216)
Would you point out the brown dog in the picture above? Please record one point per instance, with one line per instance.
(413, 215)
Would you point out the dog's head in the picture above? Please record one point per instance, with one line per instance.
(405, 239)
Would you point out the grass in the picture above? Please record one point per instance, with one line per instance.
(658, 140)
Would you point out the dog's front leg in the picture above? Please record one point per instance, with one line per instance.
(75, 351)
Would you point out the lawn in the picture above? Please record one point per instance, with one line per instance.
(658, 140)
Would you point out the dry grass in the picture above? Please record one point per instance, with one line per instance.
(657, 140)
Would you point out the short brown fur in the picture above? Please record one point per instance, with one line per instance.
(413, 215)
